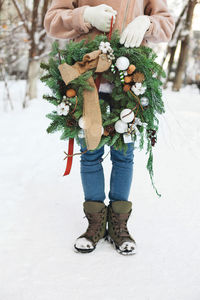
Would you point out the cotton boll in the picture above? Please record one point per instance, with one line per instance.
(62, 109)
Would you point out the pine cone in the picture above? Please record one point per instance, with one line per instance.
(126, 88)
(71, 123)
(106, 133)
(112, 133)
(109, 128)
(138, 77)
(153, 141)
(151, 132)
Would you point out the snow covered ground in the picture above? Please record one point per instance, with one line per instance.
(41, 213)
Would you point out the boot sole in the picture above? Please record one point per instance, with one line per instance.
(79, 250)
(110, 240)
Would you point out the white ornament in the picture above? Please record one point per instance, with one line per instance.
(121, 127)
(81, 134)
(127, 115)
(138, 89)
(62, 109)
(102, 130)
(144, 101)
(81, 123)
(122, 63)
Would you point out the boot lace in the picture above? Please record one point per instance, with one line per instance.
(95, 222)
(120, 224)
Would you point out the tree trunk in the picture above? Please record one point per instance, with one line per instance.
(171, 50)
(184, 48)
(33, 72)
(170, 64)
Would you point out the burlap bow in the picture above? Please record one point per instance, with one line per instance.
(91, 108)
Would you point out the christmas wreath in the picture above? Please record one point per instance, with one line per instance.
(72, 74)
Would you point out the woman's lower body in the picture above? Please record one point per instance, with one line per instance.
(92, 174)
(116, 214)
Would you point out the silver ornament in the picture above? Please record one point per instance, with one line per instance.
(81, 134)
(144, 101)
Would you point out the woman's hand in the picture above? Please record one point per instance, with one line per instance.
(100, 16)
(133, 34)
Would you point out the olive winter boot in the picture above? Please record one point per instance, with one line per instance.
(118, 235)
(96, 213)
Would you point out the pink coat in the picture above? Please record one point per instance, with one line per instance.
(64, 19)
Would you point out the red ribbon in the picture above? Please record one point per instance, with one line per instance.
(111, 28)
(70, 157)
(71, 141)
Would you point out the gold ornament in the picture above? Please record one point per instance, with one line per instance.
(126, 87)
(106, 133)
(131, 69)
(70, 93)
(138, 77)
(128, 79)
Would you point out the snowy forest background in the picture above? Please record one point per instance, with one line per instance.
(24, 44)
(41, 211)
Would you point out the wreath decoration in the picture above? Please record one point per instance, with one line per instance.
(136, 94)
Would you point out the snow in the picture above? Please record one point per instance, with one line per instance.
(41, 212)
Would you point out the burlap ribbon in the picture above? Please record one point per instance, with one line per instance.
(91, 108)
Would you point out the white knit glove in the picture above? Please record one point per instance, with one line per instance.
(100, 16)
(133, 34)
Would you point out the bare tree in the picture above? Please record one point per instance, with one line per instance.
(184, 46)
(33, 25)
(3, 75)
(172, 46)
(180, 40)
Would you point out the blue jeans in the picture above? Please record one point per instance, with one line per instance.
(92, 174)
